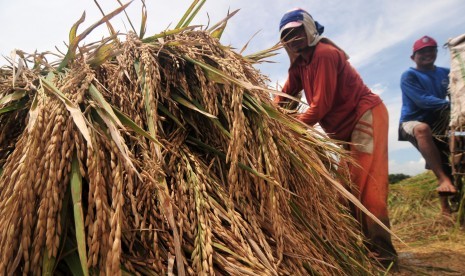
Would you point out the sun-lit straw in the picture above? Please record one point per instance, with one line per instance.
(183, 162)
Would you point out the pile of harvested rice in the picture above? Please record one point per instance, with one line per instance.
(164, 156)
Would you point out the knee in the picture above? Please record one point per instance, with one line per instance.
(422, 131)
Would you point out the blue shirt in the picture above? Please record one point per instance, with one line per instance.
(423, 93)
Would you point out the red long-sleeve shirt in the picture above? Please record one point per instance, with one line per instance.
(334, 90)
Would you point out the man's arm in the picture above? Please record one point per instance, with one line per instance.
(422, 96)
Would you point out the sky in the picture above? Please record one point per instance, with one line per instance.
(377, 34)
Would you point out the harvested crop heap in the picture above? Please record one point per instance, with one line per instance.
(457, 116)
(164, 156)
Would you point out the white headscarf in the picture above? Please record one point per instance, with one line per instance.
(313, 30)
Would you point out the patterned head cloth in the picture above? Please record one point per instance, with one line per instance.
(298, 17)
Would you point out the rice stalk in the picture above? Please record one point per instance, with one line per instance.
(186, 167)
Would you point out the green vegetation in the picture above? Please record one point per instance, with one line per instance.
(432, 243)
(395, 178)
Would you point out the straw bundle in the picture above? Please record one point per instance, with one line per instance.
(457, 81)
(164, 156)
(457, 117)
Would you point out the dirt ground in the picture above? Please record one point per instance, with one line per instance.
(436, 259)
(435, 250)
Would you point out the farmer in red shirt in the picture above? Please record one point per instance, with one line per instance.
(348, 111)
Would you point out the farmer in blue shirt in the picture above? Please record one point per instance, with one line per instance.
(425, 112)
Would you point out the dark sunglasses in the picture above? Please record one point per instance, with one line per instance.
(292, 33)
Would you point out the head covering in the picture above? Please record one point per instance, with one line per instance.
(423, 42)
(299, 17)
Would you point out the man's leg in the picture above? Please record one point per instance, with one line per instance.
(430, 152)
(406, 130)
(444, 151)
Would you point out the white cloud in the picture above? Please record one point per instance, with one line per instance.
(388, 23)
(378, 88)
(394, 115)
(409, 168)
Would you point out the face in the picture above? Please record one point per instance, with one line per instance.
(295, 39)
(425, 57)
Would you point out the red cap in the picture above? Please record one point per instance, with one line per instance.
(423, 42)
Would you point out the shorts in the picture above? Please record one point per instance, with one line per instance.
(409, 126)
(406, 134)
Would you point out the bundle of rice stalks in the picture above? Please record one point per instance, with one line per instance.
(164, 155)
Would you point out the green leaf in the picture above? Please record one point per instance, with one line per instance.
(143, 23)
(73, 31)
(14, 106)
(197, 107)
(132, 125)
(190, 105)
(217, 30)
(163, 34)
(116, 137)
(241, 83)
(259, 56)
(252, 104)
(194, 13)
(103, 54)
(76, 192)
(50, 76)
(71, 258)
(109, 26)
(215, 77)
(217, 33)
(186, 14)
(17, 95)
(285, 119)
(220, 126)
(73, 44)
(48, 264)
(98, 97)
